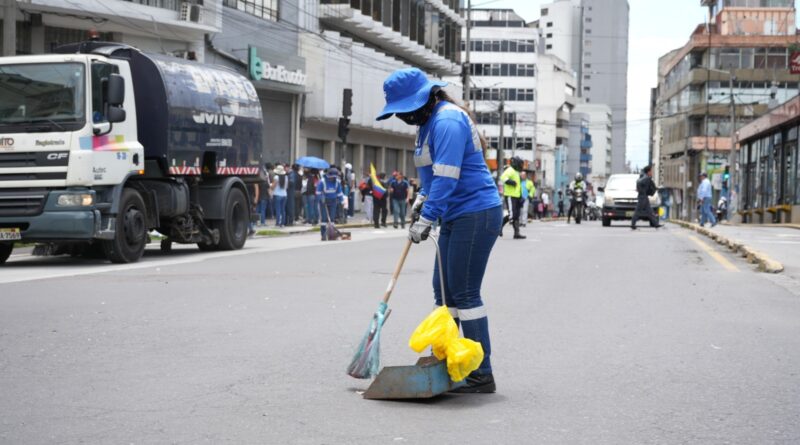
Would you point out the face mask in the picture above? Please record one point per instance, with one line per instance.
(420, 116)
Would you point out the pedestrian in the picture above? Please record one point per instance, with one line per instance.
(365, 187)
(379, 204)
(350, 187)
(293, 180)
(527, 191)
(645, 187)
(399, 192)
(254, 198)
(280, 184)
(512, 192)
(310, 196)
(545, 203)
(263, 196)
(331, 189)
(704, 199)
(457, 189)
(560, 204)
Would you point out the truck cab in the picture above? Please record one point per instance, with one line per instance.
(94, 146)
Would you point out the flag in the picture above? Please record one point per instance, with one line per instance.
(377, 188)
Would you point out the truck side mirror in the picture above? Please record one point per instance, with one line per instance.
(115, 114)
(116, 90)
(601, 189)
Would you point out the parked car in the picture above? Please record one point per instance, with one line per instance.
(620, 196)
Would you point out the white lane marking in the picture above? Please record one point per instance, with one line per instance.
(41, 267)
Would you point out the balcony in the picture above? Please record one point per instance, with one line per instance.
(586, 143)
(347, 18)
(586, 157)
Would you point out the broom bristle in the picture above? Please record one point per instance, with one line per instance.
(367, 359)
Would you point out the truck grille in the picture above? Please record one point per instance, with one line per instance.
(34, 159)
(22, 202)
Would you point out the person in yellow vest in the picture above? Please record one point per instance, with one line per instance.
(512, 192)
(528, 192)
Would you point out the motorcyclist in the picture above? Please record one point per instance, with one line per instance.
(577, 184)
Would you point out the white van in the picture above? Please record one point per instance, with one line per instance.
(620, 196)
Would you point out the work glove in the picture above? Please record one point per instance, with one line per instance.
(511, 182)
(420, 230)
(416, 207)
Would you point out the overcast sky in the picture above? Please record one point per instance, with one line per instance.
(656, 27)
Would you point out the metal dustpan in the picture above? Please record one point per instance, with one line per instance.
(428, 378)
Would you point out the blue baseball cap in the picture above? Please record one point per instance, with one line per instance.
(406, 90)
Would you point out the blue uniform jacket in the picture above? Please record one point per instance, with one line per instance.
(451, 167)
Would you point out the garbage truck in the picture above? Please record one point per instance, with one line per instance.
(101, 143)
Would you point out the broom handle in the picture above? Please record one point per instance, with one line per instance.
(397, 270)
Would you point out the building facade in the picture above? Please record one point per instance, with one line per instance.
(735, 66)
(163, 26)
(601, 129)
(557, 98)
(503, 72)
(769, 175)
(592, 37)
(355, 45)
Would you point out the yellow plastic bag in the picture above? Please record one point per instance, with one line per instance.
(439, 331)
(463, 356)
(436, 331)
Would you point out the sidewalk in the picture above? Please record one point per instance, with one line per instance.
(781, 243)
(357, 220)
(773, 248)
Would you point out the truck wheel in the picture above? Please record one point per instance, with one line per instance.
(233, 229)
(606, 222)
(131, 234)
(5, 251)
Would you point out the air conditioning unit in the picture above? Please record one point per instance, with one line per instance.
(190, 12)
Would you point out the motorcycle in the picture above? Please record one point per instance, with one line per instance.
(578, 204)
(592, 211)
(722, 209)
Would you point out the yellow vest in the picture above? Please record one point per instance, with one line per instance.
(514, 191)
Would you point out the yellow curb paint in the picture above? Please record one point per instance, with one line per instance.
(714, 254)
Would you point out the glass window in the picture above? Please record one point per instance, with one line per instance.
(512, 70)
(504, 69)
(496, 46)
(512, 94)
(48, 94)
(504, 46)
(747, 58)
(729, 58)
(495, 69)
(100, 74)
(265, 9)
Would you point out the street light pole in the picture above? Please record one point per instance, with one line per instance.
(732, 155)
(466, 66)
(501, 142)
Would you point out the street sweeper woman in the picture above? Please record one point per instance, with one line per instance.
(456, 189)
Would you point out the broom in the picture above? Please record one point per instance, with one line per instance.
(367, 359)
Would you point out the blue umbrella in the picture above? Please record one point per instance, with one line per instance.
(312, 162)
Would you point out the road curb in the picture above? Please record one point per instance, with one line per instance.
(762, 260)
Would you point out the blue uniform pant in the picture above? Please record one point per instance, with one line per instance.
(329, 208)
(465, 244)
(705, 212)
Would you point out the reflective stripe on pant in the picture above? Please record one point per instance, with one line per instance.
(465, 244)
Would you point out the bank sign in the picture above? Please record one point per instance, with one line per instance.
(271, 70)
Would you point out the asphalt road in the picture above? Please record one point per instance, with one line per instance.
(600, 336)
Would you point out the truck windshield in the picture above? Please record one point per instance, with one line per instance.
(42, 97)
(625, 182)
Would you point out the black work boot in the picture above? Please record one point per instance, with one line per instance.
(477, 384)
(518, 235)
